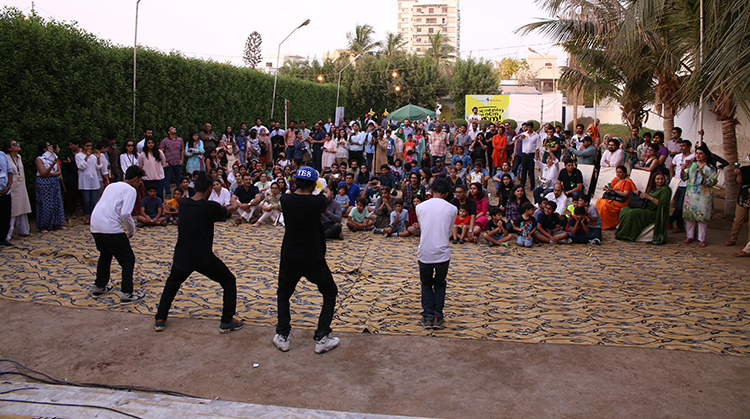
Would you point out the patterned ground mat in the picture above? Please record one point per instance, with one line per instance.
(623, 294)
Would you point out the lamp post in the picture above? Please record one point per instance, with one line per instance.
(278, 54)
(338, 89)
(135, 51)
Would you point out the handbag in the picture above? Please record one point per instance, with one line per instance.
(612, 196)
(636, 201)
(544, 183)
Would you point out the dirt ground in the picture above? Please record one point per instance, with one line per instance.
(397, 375)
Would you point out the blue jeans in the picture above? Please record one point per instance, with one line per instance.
(172, 171)
(525, 241)
(539, 193)
(90, 197)
(432, 276)
(582, 238)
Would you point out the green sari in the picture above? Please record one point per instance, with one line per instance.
(634, 220)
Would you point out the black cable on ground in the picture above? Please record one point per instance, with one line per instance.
(55, 381)
(18, 389)
(91, 406)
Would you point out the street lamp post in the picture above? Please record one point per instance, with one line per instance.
(135, 51)
(278, 54)
(338, 89)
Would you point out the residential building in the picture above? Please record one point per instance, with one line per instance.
(545, 69)
(268, 64)
(418, 19)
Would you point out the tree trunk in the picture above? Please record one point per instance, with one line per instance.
(575, 109)
(726, 110)
(668, 119)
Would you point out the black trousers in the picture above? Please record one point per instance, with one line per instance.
(331, 230)
(4, 216)
(316, 272)
(217, 271)
(116, 245)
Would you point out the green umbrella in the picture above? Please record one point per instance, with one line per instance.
(410, 112)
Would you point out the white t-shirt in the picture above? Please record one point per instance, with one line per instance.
(113, 210)
(561, 202)
(436, 217)
(615, 159)
(224, 199)
(678, 161)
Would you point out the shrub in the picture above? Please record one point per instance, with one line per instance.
(512, 122)
(584, 120)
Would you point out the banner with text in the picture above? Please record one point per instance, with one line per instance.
(490, 107)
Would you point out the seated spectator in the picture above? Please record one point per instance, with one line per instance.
(359, 217)
(495, 232)
(263, 184)
(334, 176)
(461, 225)
(651, 161)
(372, 193)
(613, 157)
(460, 156)
(439, 171)
(503, 190)
(513, 205)
(220, 194)
(634, 220)
(549, 175)
(172, 207)
(352, 190)
(343, 199)
(151, 210)
(525, 225)
(363, 177)
(187, 190)
(462, 199)
(453, 182)
(478, 175)
(609, 209)
(387, 180)
(398, 218)
(578, 228)
(549, 227)
(558, 197)
(270, 207)
(571, 179)
(332, 217)
(461, 169)
(476, 194)
(248, 197)
(382, 209)
(503, 170)
(412, 186)
(594, 221)
(413, 224)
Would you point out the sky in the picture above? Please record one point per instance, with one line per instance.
(218, 29)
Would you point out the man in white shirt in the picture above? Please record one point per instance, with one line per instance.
(530, 143)
(675, 171)
(436, 217)
(107, 220)
(613, 157)
(558, 197)
(147, 133)
(258, 125)
(475, 117)
(577, 138)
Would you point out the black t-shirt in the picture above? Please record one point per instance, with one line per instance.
(195, 232)
(303, 238)
(549, 223)
(570, 181)
(245, 196)
(470, 204)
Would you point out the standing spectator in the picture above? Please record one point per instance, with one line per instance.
(128, 157)
(329, 149)
(303, 254)
(194, 152)
(228, 143)
(111, 239)
(530, 142)
(112, 155)
(89, 164)
(675, 171)
(742, 177)
(194, 253)
(438, 144)
(20, 205)
(342, 150)
(174, 153)
(289, 136)
(153, 162)
(209, 138)
(147, 133)
(6, 182)
(71, 177)
(435, 217)
(356, 144)
(631, 146)
(701, 176)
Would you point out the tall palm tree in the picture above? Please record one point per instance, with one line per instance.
(361, 41)
(441, 52)
(393, 44)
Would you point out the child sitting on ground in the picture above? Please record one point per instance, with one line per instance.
(343, 199)
(359, 217)
(151, 210)
(172, 207)
(495, 232)
(397, 226)
(462, 223)
(549, 227)
(525, 225)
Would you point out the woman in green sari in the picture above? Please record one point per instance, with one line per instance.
(634, 220)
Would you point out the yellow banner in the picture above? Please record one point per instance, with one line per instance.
(490, 107)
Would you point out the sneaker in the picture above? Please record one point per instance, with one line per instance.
(369, 228)
(98, 292)
(129, 298)
(455, 241)
(437, 323)
(426, 322)
(325, 344)
(164, 223)
(231, 326)
(281, 342)
(506, 244)
(566, 241)
(139, 224)
(377, 231)
(159, 325)
(490, 244)
(595, 241)
(461, 241)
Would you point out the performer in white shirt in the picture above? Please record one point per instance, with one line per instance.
(107, 219)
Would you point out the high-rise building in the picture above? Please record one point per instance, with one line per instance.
(418, 19)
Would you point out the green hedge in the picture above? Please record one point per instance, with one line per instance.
(58, 82)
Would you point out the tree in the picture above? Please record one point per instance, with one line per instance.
(472, 77)
(361, 41)
(393, 43)
(252, 55)
(440, 50)
(514, 69)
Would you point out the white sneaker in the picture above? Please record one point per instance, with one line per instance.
(281, 342)
(325, 344)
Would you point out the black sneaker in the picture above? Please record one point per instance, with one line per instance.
(231, 326)
(129, 298)
(437, 323)
(98, 292)
(159, 325)
(426, 322)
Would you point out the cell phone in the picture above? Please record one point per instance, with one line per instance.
(737, 165)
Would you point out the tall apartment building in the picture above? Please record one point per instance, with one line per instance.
(418, 19)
